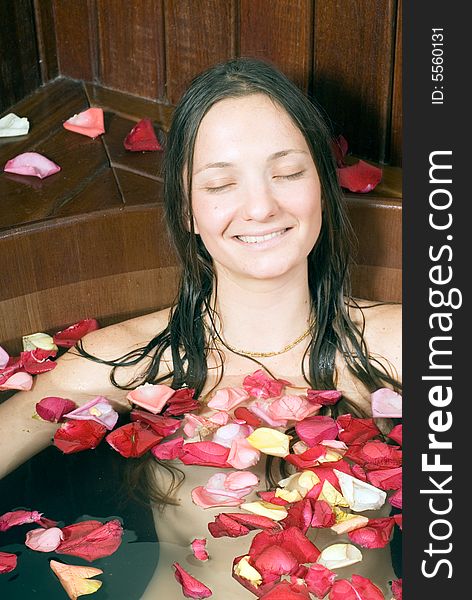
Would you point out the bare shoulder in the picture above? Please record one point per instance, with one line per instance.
(383, 330)
(83, 377)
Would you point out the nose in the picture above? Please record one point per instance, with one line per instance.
(259, 202)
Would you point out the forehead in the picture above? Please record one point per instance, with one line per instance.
(233, 125)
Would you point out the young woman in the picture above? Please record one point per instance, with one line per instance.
(256, 214)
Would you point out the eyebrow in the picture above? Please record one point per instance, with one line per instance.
(272, 157)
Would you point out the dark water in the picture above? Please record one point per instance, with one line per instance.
(87, 485)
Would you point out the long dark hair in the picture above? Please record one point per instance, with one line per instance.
(187, 335)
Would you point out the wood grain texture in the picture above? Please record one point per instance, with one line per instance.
(199, 33)
(280, 31)
(46, 39)
(353, 49)
(396, 137)
(20, 73)
(75, 24)
(131, 46)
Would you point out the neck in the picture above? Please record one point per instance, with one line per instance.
(263, 315)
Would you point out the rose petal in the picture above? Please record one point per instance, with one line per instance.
(397, 589)
(339, 555)
(339, 146)
(396, 434)
(396, 499)
(18, 381)
(360, 496)
(142, 137)
(324, 397)
(319, 580)
(228, 398)
(4, 358)
(226, 434)
(8, 562)
(88, 122)
(386, 479)
(360, 178)
(18, 517)
(266, 509)
(243, 570)
(275, 560)
(44, 540)
(168, 450)
(91, 540)
(99, 410)
(191, 587)
(386, 403)
(132, 440)
(359, 588)
(260, 385)
(376, 534)
(199, 549)
(32, 163)
(164, 426)
(76, 579)
(71, 335)
(346, 522)
(75, 436)
(356, 431)
(151, 397)
(39, 340)
(246, 415)
(270, 441)
(207, 454)
(292, 408)
(182, 402)
(12, 125)
(242, 455)
(53, 408)
(315, 429)
(375, 454)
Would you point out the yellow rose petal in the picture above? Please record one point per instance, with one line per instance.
(38, 340)
(288, 495)
(339, 555)
(246, 571)
(266, 509)
(331, 495)
(270, 441)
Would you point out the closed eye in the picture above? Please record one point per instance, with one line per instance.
(296, 175)
(218, 188)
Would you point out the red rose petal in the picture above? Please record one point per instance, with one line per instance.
(181, 402)
(376, 534)
(209, 454)
(225, 526)
(7, 562)
(356, 431)
(191, 587)
(324, 397)
(359, 588)
(386, 479)
(246, 415)
(142, 137)
(397, 589)
(133, 440)
(91, 539)
(374, 455)
(275, 560)
(19, 517)
(164, 426)
(53, 408)
(299, 515)
(360, 178)
(71, 335)
(339, 146)
(323, 514)
(319, 580)
(199, 549)
(314, 430)
(168, 450)
(75, 436)
(396, 434)
(287, 591)
(396, 499)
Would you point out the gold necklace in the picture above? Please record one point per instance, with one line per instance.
(267, 354)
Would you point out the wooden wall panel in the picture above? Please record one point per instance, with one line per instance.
(20, 73)
(353, 49)
(46, 39)
(395, 157)
(76, 38)
(281, 31)
(131, 46)
(198, 34)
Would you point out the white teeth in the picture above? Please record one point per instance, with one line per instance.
(258, 239)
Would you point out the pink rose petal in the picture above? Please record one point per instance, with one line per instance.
(19, 517)
(32, 163)
(7, 562)
(151, 397)
(44, 540)
(386, 403)
(88, 122)
(99, 410)
(168, 450)
(191, 587)
(18, 381)
(242, 455)
(228, 398)
(4, 358)
(199, 549)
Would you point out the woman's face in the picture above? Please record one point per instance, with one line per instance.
(256, 194)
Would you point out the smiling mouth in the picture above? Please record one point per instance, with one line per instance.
(259, 239)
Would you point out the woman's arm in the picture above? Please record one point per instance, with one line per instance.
(76, 378)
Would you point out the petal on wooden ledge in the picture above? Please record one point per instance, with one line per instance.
(142, 138)
(12, 125)
(360, 178)
(88, 122)
(33, 164)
